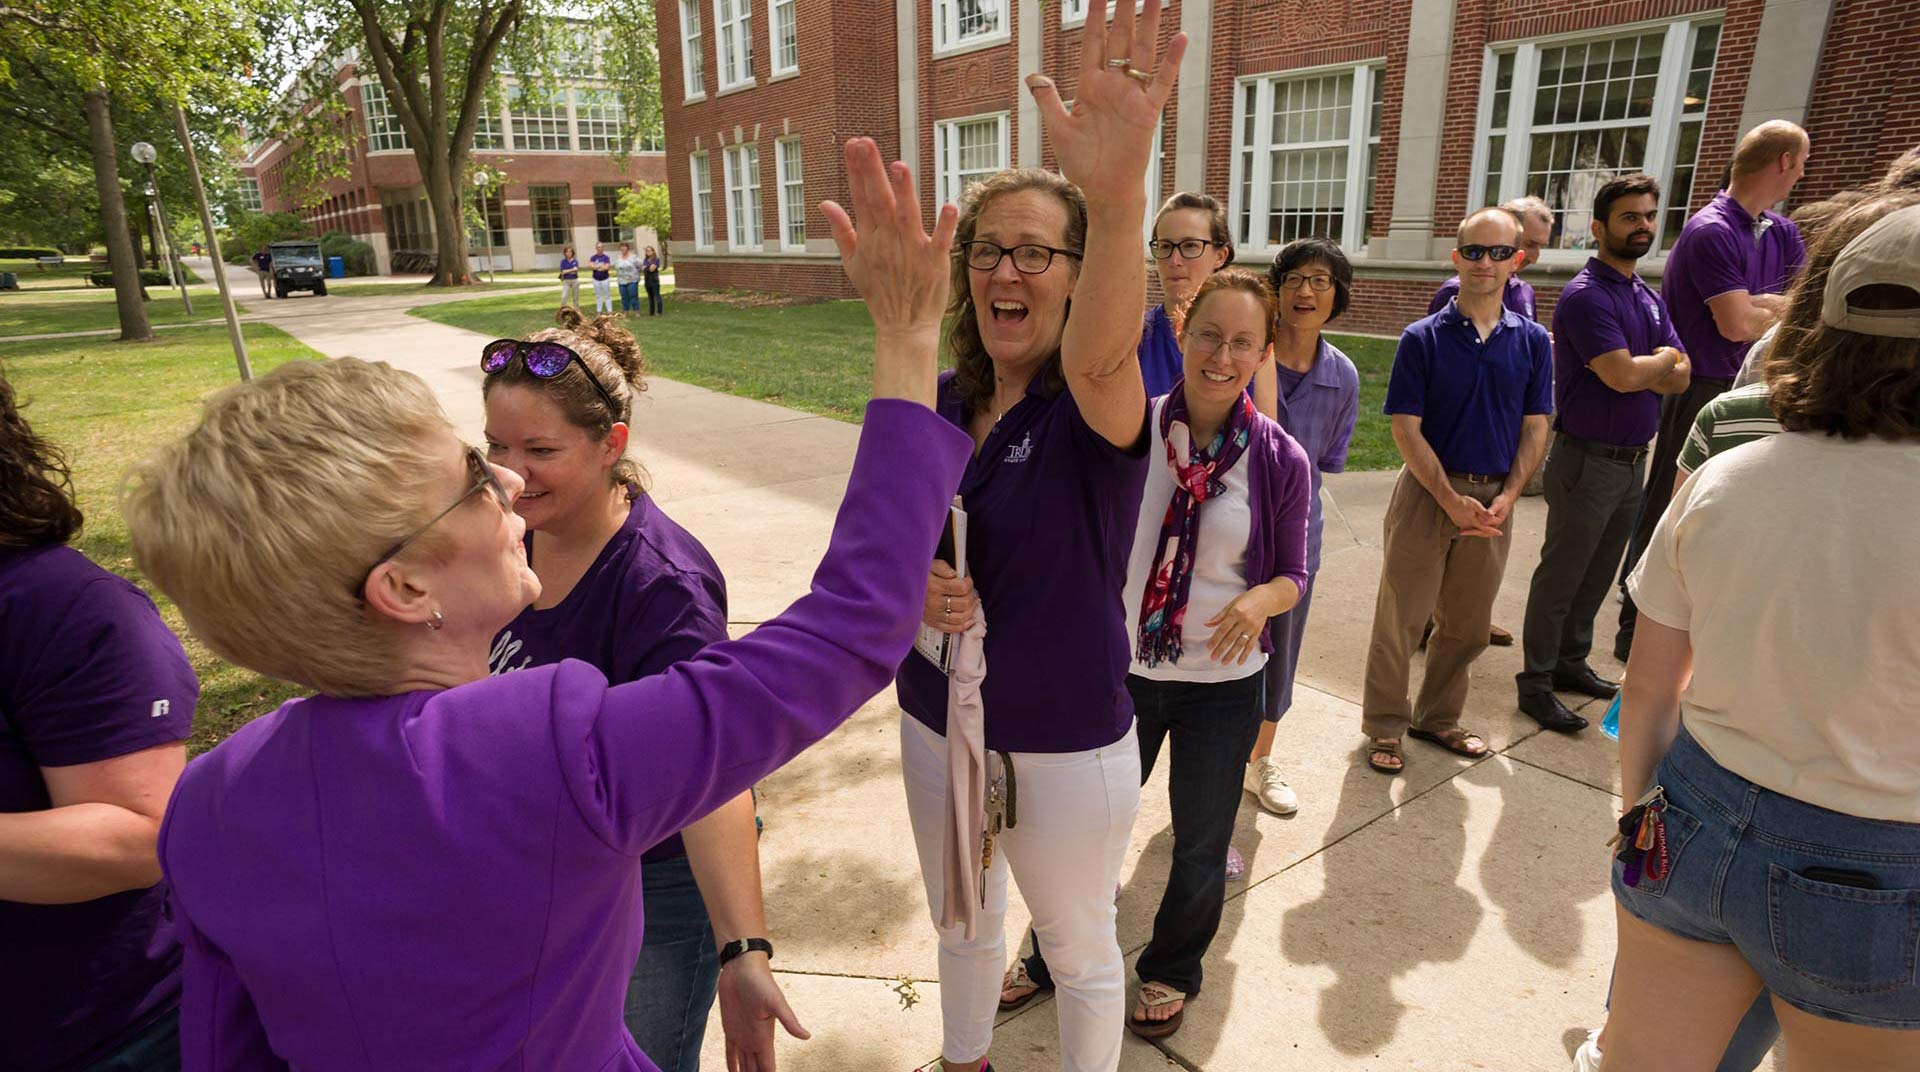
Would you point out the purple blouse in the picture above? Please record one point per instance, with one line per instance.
(1319, 408)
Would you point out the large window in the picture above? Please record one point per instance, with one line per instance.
(966, 151)
(409, 221)
(743, 197)
(383, 127)
(793, 195)
(552, 216)
(539, 121)
(959, 23)
(735, 42)
(692, 64)
(606, 206)
(1563, 116)
(487, 132)
(702, 172)
(250, 195)
(596, 119)
(495, 210)
(786, 36)
(1304, 157)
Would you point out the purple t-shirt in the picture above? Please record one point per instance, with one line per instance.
(1161, 365)
(1470, 395)
(601, 263)
(88, 672)
(1051, 507)
(653, 597)
(1601, 311)
(1318, 409)
(1519, 296)
(1723, 249)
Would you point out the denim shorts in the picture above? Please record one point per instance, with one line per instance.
(1824, 906)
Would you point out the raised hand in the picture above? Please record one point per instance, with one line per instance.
(899, 269)
(1105, 143)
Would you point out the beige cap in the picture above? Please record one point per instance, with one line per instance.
(1887, 253)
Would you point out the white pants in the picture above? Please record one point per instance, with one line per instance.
(1075, 813)
(603, 295)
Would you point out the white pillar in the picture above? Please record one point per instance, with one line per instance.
(906, 50)
(1191, 98)
(1785, 58)
(1027, 150)
(1422, 110)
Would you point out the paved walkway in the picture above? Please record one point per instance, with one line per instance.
(1456, 917)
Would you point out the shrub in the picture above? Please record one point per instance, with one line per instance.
(26, 253)
(149, 277)
(256, 230)
(357, 255)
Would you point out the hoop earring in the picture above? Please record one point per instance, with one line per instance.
(438, 621)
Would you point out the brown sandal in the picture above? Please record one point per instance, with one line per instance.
(1152, 996)
(1454, 740)
(1385, 746)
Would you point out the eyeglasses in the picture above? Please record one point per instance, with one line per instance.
(1206, 342)
(1027, 259)
(544, 360)
(1498, 253)
(483, 477)
(1319, 284)
(1190, 248)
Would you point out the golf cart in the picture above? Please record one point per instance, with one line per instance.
(296, 265)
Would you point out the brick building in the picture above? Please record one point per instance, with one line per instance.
(552, 148)
(1376, 122)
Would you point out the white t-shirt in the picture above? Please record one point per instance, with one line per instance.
(1791, 562)
(1219, 568)
(1756, 356)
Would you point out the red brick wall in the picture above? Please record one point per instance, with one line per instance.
(1385, 305)
(1866, 97)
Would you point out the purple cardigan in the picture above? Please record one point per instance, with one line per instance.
(450, 880)
(1280, 496)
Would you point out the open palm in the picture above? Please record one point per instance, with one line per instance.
(899, 269)
(1104, 144)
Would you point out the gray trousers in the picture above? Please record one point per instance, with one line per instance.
(1591, 501)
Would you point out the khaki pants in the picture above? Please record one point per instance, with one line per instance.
(1429, 570)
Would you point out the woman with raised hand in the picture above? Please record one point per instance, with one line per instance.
(423, 866)
(1190, 243)
(1050, 391)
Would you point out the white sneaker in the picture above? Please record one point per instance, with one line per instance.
(1269, 788)
(1587, 1057)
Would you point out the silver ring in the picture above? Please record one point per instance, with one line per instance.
(1119, 64)
(1246, 636)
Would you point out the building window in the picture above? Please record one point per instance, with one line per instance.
(735, 43)
(786, 36)
(692, 64)
(596, 119)
(539, 122)
(793, 197)
(1304, 150)
(383, 127)
(743, 197)
(966, 151)
(702, 172)
(1074, 12)
(959, 23)
(653, 141)
(1378, 82)
(487, 133)
(409, 222)
(496, 212)
(250, 195)
(1562, 117)
(552, 223)
(606, 206)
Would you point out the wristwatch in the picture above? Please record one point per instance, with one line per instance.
(745, 945)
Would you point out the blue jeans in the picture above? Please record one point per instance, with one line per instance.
(630, 297)
(678, 972)
(154, 1049)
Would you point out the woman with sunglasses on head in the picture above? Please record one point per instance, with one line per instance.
(424, 866)
(624, 588)
(1190, 243)
(1047, 285)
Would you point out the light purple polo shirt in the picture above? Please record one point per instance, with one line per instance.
(1051, 507)
(1723, 249)
(1518, 298)
(1601, 311)
(1318, 409)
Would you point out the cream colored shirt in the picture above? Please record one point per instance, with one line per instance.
(1794, 564)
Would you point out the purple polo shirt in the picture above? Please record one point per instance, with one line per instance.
(1318, 409)
(653, 597)
(1051, 507)
(1471, 395)
(1601, 311)
(1161, 364)
(1519, 296)
(1720, 250)
(88, 672)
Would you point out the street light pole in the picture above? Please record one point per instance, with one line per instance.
(144, 153)
(481, 179)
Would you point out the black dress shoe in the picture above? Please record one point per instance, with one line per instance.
(1586, 683)
(1546, 709)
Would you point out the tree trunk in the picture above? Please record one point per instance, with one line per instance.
(449, 232)
(122, 257)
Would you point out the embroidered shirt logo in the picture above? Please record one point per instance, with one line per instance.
(505, 649)
(1020, 451)
(161, 707)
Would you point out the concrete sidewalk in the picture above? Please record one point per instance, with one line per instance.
(1456, 917)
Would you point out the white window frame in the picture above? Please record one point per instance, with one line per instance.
(1154, 163)
(733, 42)
(743, 197)
(1663, 124)
(384, 132)
(489, 130)
(1074, 12)
(946, 153)
(597, 118)
(947, 38)
(693, 65)
(250, 195)
(1353, 209)
(700, 169)
(775, 45)
(558, 101)
(792, 193)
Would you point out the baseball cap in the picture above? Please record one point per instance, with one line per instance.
(1885, 254)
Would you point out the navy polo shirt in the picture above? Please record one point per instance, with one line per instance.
(1601, 311)
(1470, 395)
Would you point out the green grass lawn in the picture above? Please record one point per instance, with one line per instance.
(819, 358)
(45, 312)
(107, 404)
(69, 276)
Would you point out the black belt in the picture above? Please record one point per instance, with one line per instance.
(1479, 478)
(1629, 455)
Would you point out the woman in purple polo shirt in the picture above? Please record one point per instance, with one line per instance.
(569, 278)
(1190, 243)
(424, 866)
(624, 588)
(96, 702)
(1051, 394)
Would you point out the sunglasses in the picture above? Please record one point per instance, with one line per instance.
(1498, 253)
(545, 360)
(483, 475)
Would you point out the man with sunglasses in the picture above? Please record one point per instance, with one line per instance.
(1469, 396)
(1615, 354)
(1536, 230)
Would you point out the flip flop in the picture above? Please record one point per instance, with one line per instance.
(1154, 995)
(1017, 977)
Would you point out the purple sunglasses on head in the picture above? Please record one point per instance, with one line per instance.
(545, 360)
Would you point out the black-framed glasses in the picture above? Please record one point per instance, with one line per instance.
(483, 475)
(1029, 259)
(1498, 253)
(545, 360)
(1190, 248)
(1319, 284)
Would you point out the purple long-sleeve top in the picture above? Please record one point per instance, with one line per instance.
(450, 879)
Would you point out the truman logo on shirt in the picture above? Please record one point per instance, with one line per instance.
(500, 660)
(1020, 451)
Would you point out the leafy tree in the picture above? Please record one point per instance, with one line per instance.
(645, 205)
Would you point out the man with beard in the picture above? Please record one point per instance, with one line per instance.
(1614, 352)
